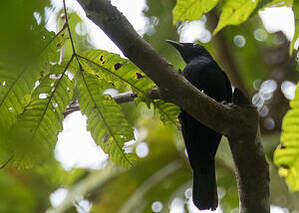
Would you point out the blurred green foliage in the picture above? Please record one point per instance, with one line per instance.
(18, 25)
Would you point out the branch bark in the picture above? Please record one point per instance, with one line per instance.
(119, 98)
(238, 121)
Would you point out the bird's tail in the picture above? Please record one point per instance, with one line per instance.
(204, 189)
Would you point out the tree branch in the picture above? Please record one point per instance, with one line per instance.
(119, 98)
(238, 121)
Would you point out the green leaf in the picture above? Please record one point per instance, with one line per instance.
(122, 73)
(16, 85)
(287, 155)
(106, 122)
(192, 9)
(34, 135)
(57, 176)
(235, 12)
(169, 112)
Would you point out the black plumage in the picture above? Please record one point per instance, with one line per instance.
(202, 142)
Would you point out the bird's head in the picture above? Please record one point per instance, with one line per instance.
(189, 51)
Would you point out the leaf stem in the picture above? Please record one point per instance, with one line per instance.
(70, 34)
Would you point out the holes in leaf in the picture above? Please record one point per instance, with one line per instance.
(102, 59)
(139, 75)
(43, 96)
(54, 77)
(108, 97)
(117, 66)
(4, 83)
(105, 138)
(69, 75)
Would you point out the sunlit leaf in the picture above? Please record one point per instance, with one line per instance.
(34, 135)
(117, 70)
(16, 85)
(287, 155)
(192, 9)
(234, 12)
(168, 112)
(121, 73)
(107, 124)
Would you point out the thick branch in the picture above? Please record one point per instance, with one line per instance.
(238, 121)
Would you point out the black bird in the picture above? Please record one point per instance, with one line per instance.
(202, 142)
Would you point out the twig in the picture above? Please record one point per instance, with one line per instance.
(70, 34)
(119, 98)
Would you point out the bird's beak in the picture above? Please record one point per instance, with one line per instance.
(175, 44)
